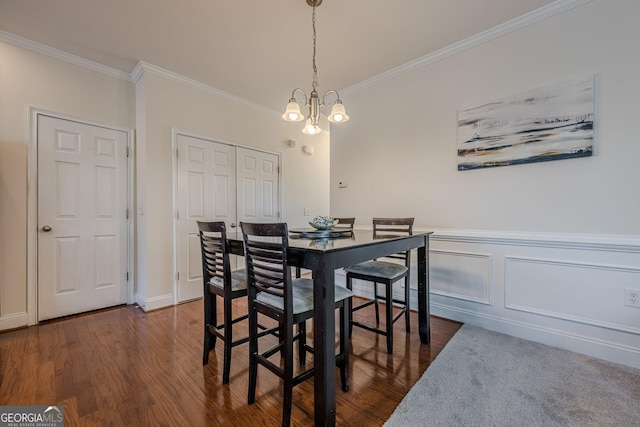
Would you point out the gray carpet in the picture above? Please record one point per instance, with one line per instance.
(484, 378)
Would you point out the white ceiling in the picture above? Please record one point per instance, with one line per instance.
(257, 50)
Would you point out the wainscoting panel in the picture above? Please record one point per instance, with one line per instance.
(588, 293)
(562, 290)
(461, 275)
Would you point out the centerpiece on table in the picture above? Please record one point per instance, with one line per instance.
(323, 222)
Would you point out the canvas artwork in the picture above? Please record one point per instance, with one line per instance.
(549, 123)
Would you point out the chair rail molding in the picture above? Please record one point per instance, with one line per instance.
(606, 242)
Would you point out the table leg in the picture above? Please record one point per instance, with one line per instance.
(423, 293)
(324, 327)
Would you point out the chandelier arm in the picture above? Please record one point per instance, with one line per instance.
(324, 103)
(293, 96)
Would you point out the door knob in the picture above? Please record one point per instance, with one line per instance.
(46, 228)
(233, 225)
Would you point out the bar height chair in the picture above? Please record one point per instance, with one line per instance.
(220, 281)
(387, 273)
(272, 292)
(344, 222)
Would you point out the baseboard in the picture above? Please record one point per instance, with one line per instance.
(601, 349)
(14, 321)
(154, 303)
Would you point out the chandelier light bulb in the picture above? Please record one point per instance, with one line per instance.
(338, 113)
(310, 128)
(292, 113)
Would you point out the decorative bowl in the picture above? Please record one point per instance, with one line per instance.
(323, 222)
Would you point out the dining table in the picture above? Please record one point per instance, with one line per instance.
(322, 257)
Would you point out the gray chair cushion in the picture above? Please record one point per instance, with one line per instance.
(238, 280)
(302, 296)
(382, 269)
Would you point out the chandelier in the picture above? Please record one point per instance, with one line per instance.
(292, 112)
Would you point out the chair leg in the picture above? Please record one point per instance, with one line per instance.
(344, 345)
(288, 375)
(210, 318)
(406, 304)
(228, 339)
(389, 312)
(253, 350)
(375, 298)
(350, 310)
(302, 341)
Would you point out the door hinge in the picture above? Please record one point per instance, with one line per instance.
(177, 152)
(177, 214)
(127, 276)
(127, 216)
(127, 151)
(177, 275)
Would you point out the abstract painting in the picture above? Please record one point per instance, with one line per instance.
(549, 123)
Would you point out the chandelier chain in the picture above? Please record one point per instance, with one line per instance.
(315, 69)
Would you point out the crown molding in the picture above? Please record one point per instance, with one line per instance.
(140, 68)
(548, 11)
(61, 55)
(144, 67)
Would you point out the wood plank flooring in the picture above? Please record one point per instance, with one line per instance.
(122, 366)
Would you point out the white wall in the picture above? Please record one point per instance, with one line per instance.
(401, 142)
(403, 131)
(155, 105)
(32, 80)
(166, 102)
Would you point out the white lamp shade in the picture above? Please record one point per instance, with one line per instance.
(338, 113)
(292, 113)
(310, 128)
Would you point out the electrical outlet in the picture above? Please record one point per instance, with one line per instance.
(632, 297)
(307, 211)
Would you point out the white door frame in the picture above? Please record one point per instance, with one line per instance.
(32, 207)
(174, 173)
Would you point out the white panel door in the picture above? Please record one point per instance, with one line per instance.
(206, 191)
(259, 189)
(82, 225)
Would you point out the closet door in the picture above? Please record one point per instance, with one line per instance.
(218, 182)
(206, 191)
(258, 186)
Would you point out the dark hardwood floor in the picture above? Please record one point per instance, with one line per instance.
(122, 366)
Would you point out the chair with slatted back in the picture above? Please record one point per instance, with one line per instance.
(272, 292)
(386, 271)
(220, 281)
(344, 222)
